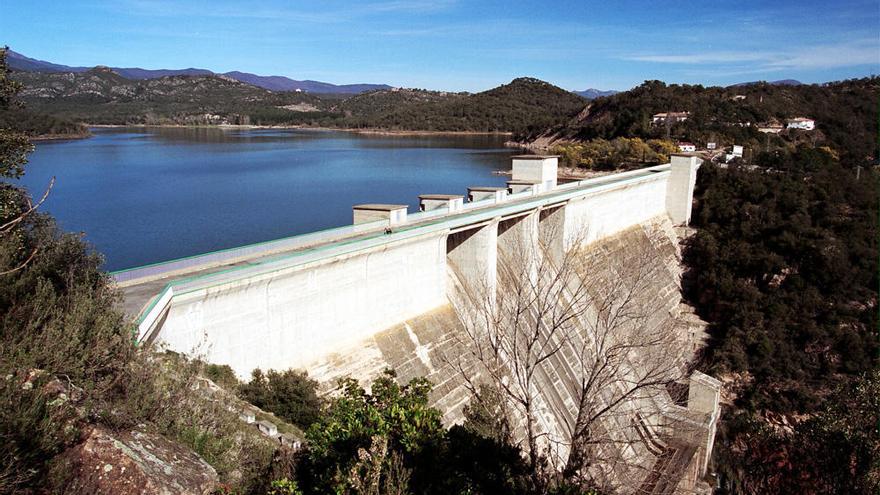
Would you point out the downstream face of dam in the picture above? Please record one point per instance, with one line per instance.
(404, 290)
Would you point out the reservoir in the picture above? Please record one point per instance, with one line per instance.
(145, 195)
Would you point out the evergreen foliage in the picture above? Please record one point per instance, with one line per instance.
(845, 112)
(837, 450)
(57, 318)
(390, 441)
(101, 96)
(290, 395)
(784, 268)
(603, 154)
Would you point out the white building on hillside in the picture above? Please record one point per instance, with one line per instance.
(687, 147)
(802, 123)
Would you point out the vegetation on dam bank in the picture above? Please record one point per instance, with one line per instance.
(783, 266)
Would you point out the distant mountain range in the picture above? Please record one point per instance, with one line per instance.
(20, 62)
(592, 94)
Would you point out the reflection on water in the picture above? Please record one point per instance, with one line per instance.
(144, 195)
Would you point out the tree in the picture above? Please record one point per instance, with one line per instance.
(14, 146)
(570, 310)
(370, 440)
(290, 394)
(58, 318)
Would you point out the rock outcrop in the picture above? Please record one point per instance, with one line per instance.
(132, 463)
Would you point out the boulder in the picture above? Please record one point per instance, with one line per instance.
(132, 463)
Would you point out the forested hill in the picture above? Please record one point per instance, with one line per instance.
(103, 96)
(522, 105)
(845, 112)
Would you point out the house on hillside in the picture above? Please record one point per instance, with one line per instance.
(736, 152)
(672, 117)
(685, 147)
(801, 123)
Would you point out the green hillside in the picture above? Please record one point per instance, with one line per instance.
(519, 106)
(101, 96)
(846, 115)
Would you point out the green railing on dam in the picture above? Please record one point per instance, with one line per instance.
(272, 256)
(300, 241)
(239, 252)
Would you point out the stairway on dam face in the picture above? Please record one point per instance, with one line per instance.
(435, 345)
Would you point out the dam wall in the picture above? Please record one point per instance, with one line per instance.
(285, 310)
(291, 316)
(399, 290)
(593, 218)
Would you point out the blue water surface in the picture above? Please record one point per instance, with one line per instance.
(144, 195)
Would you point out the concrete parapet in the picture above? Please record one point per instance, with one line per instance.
(680, 188)
(452, 202)
(395, 214)
(540, 168)
(518, 186)
(479, 193)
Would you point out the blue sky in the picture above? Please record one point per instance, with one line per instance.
(461, 45)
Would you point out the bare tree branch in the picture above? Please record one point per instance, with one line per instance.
(8, 225)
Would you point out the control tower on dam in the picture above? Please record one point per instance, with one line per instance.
(396, 289)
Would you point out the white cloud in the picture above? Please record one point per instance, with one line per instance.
(864, 51)
(858, 52)
(700, 58)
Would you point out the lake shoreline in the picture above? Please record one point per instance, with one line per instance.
(59, 137)
(370, 131)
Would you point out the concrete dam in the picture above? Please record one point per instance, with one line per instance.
(408, 291)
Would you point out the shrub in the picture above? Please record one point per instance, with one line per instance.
(290, 395)
(222, 375)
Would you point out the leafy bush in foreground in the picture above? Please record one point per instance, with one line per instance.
(290, 395)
